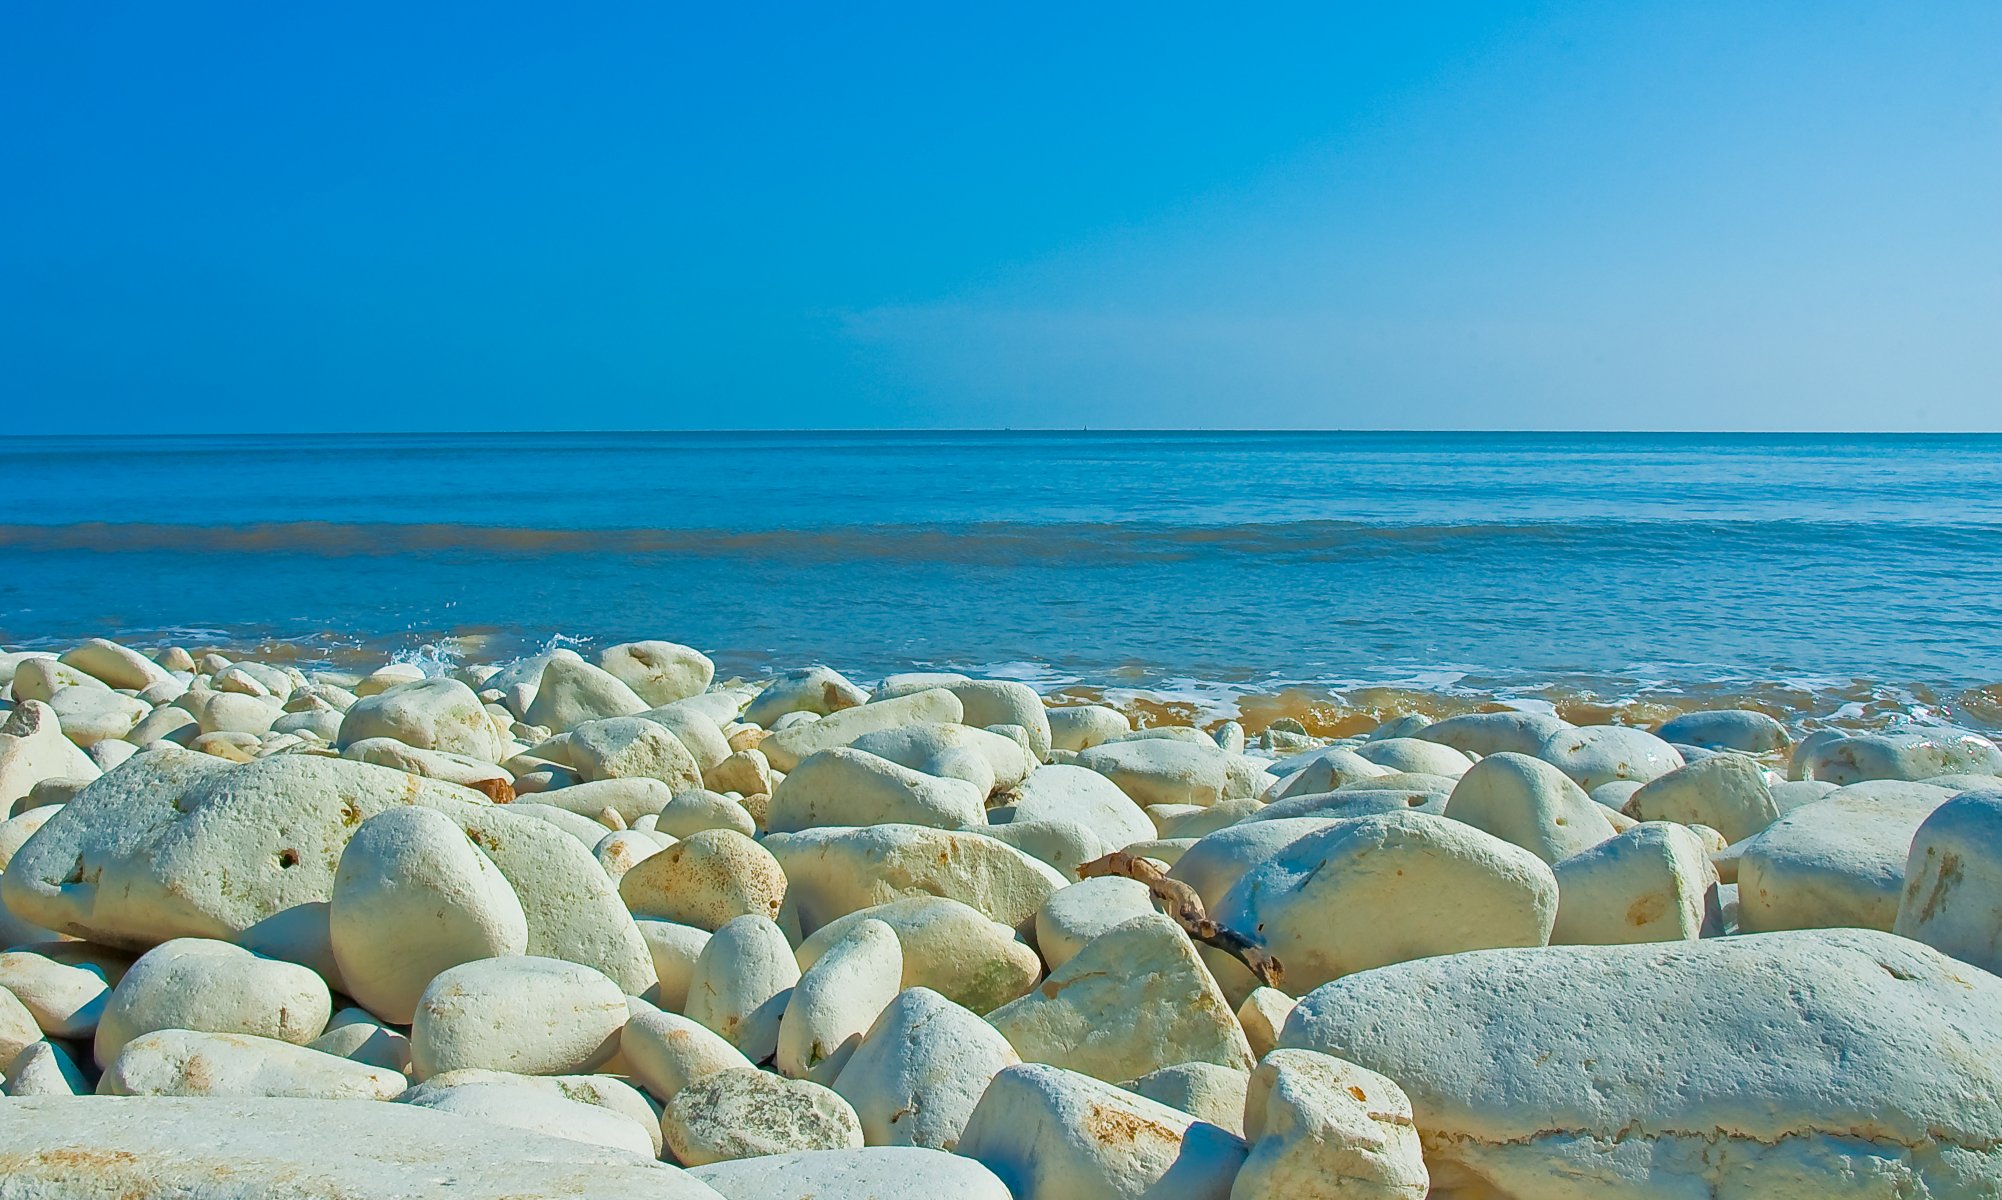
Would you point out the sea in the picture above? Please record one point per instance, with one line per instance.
(1328, 576)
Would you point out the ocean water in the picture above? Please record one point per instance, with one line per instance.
(1310, 574)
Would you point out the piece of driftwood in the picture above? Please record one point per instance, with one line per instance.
(1180, 902)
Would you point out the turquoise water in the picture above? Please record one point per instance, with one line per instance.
(1197, 564)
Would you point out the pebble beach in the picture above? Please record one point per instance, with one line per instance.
(609, 924)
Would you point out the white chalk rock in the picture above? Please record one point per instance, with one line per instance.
(1415, 755)
(849, 787)
(430, 714)
(15, 831)
(212, 987)
(530, 1016)
(1262, 1015)
(1073, 916)
(89, 715)
(691, 812)
(1215, 863)
(167, 723)
(623, 849)
(658, 672)
(184, 1062)
(837, 999)
(1322, 770)
(65, 1000)
(593, 1109)
(1726, 729)
(979, 757)
(630, 798)
(1313, 1119)
(1494, 732)
(706, 880)
(746, 966)
(572, 691)
(675, 949)
(1730, 1083)
(1082, 726)
(833, 872)
(1205, 1091)
(1062, 845)
(39, 679)
(741, 1113)
(59, 1148)
(1371, 891)
(18, 1029)
(872, 1173)
(1837, 861)
(1071, 793)
(699, 735)
(1051, 1134)
(1953, 881)
(234, 712)
(1596, 754)
(357, 1035)
(1727, 792)
(1160, 771)
(666, 1052)
(786, 747)
(947, 946)
(43, 1069)
(1653, 883)
(414, 896)
(1911, 755)
(630, 748)
(1135, 999)
(1530, 803)
(33, 748)
(990, 702)
(115, 666)
(816, 690)
(918, 1071)
(487, 778)
(746, 772)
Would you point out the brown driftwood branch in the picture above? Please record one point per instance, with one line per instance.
(1180, 902)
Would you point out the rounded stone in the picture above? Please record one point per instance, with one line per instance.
(529, 1016)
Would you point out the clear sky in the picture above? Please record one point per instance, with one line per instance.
(1696, 215)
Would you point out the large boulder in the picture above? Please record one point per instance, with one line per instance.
(223, 1149)
(1312, 1119)
(742, 1113)
(1837, 861)
(176, 843)
(1530, 803)
(1826, 1063)
(991, 702)
(1371, 891)
(430, 714)
(1063, 792)
(658, 672)
(572, 691)
(978, 756)
(1726, 729)
(1494, 732)
(1596, 754)
(212, 987)
(183, 1062)
(833, 872)
(1133, 1000)
(1163, 771)
(846, 786)
(1653, 883)
(786, 747)
(529, 1016)
(947, 946)
(1953, 881)
(836, 1000)
(1727, 792)
(1911, 755)
(705, 880)
(33, 748)
(918, 1071)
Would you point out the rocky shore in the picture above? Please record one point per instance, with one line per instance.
(607, 926)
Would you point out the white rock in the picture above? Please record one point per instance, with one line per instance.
(947, 946)
(741, 1113)
(1064, 846)
(666, 1052)
(33, 748)
(816, 690)
(1082, 726)
(357, 1035)
(833, 872)
(233, 712)
(1051, 1134)
(623, 849)
(1159, 771)
(114, 665)
(849, 787)
(1653, 883)
(66, 1001)
(487, 778)
(44, 1069)
(430, 714)
(1727, 792)
(1135, 999)
(1262, 1015)
(918, 1071)
(1596, 754)
(59, 1148)
(1727, 729)
(1215, 863)
(1494, 732)
(697, 734)
(15, 831)
(530, 1016)
(89, 715)
(872, 1173)
(706, 880)
(1730, 1082)
(630, 798)
(18, 1030)
(41, 678)
(414, 896)
(1953, 881)
(578, 1108)
(1202, 821)
(1323, 770)
(785, 748)
(1313, 1119)
(1205, 1091)
(746, 966)
(1530, 803)
(1073, 916)
(572, 691)
(1910, 755)
(212, 987)
(987, 760)
(167, 723)
(1837, 861)
(658, 672)
(694, 811)
(184, 1062)
(991, 702)
(837, 999)
(1415, 754)
(1072, 793)
(630, 748)
(1371, 891)
(675, 949)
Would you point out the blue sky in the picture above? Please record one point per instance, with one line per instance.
(440, 216)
